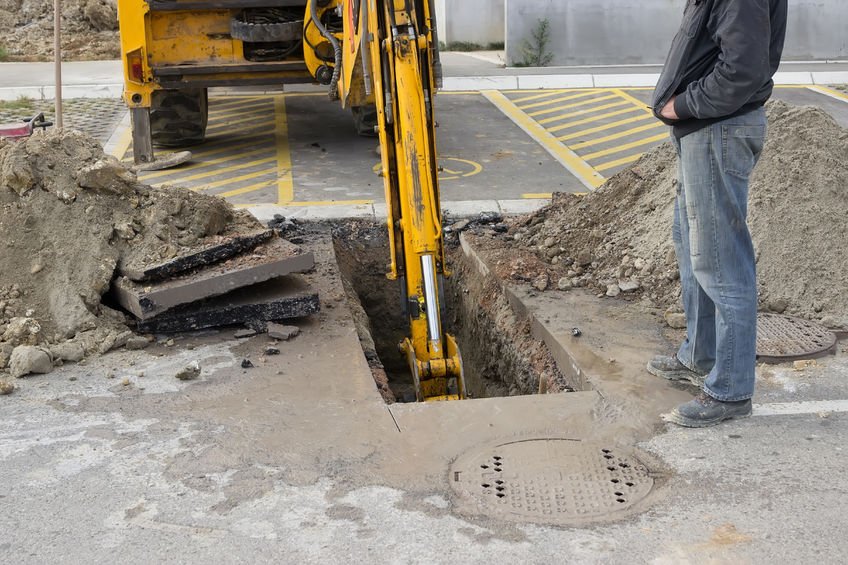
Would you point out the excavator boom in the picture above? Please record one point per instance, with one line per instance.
(388, 57)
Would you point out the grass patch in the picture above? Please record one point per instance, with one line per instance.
(4, 53)
(23, 104)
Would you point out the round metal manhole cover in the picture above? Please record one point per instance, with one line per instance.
(554, 481)
(783, 338)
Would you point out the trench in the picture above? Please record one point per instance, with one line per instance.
(500, 356)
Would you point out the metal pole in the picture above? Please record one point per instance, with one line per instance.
(57, 54)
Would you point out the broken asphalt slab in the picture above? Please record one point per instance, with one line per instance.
(269, 260)
(225, 249)
(282, 298)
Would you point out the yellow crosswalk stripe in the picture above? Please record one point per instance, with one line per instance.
(584, 112)
(255, 108)
(558, 100)
(572, 105)
(625, 147)
(203, 164)
(220, 170)
(232, 180)
(537, 96)
(603, 127)
(251, 188)
(592, 119)
(615, 136)
(618, 162)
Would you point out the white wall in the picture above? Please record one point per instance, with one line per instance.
(620, 32)
(474, 21)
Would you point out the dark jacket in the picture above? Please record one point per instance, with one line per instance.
(721, 61)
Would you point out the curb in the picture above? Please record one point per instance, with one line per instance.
(457, 84)
(377, 211)
(533, 82)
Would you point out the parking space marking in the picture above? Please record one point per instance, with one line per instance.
(620, 126)
(829, 92)
(597, 118)
(618, 135)
(557, 100)
(285, 180)
(246, 152)
(577, 166)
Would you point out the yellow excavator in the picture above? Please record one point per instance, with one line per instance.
(378, 57)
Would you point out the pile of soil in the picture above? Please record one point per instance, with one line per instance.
(617, 241)
(70, 217)
(89, 30)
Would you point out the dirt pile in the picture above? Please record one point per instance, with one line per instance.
(89, 29)
(617, 240)
(71, 216)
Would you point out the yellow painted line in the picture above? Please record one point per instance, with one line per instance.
(572, 105)
(232, 180)
(625, 147)
(536, 96)
(229, 123)
(251, 188)
(243, 135)
(615, 136)
(331, 203)
(595, 119)
(222, 170)
(204, 164)
(218, 103)
(123, 145)
(537, 195)
(247, 106)
(618, 162)
(833, 93)
(227, 146)
(259, 112)
(635, 101)
(594, 109)
(577, 166)
(583, 94)
(604, 127)
(285, 181)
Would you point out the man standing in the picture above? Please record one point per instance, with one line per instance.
(712, 90)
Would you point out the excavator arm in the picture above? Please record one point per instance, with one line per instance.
(386, 56)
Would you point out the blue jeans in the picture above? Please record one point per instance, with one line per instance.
(715, 253)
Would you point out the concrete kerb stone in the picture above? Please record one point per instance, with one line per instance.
(378, 211)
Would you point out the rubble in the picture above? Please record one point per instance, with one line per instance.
(89, 29)
(73, 218)
(617, 240)
(27, 359)
(281, 332)
(190, 372)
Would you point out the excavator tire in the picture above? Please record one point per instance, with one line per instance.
(178, 117)
(365, 120)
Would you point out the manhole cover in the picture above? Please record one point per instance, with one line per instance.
(555, 481)
(783, 338)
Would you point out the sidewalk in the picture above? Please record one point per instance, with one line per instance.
(463, 71)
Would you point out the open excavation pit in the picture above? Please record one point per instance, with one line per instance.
(500, 356)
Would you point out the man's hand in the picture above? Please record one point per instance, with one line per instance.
(668, 110)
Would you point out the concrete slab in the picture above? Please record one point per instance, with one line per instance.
(523, 206)
(269, 260)
(440, 431)
(609, 356)
(468, 208)
(225, 248)
(455, 84)
(277, 299)
(528, 82)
